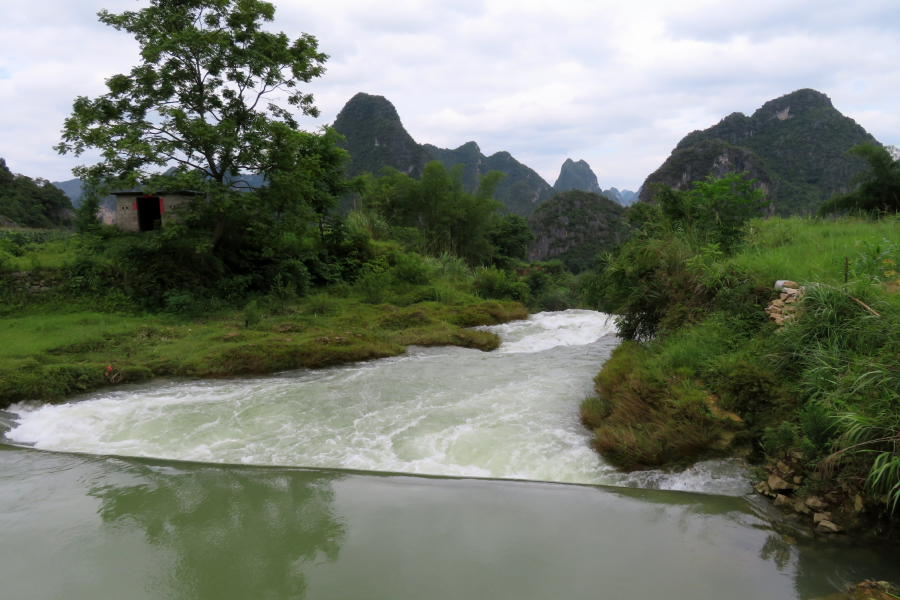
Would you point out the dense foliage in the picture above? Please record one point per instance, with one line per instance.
(575, 227)
(32, 202)
(708, 373)
(202, 99)
(878, 187)
(653, 280)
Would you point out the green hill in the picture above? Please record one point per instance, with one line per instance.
(575, 226)
(31, 202)
(795, 144)
(376, 138)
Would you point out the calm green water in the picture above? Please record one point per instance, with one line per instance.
(97, 501)
(90, 527)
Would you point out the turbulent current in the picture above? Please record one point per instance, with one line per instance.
(302, 485)
(510, 413)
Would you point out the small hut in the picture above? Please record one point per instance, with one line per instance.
(137, 211)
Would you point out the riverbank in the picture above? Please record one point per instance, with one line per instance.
(52, 353)
(809, 395)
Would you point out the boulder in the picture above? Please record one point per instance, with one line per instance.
(783, 283)
(777, 484)
(781, 500)
(763, 488)
(827, 527)
(822, 516)
(801, 507)
(815, 503)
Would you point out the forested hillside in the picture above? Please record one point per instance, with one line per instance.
(31, 202)
(795, 144)
(575, 227)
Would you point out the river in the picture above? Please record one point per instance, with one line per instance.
(443, 473)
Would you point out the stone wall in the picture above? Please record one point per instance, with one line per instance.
(34, 282)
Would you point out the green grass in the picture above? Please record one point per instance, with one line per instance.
(32, 335)
(46, 356)
(51, 255)
(812, 250)
(31, 249)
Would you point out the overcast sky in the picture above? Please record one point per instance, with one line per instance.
(617, 84)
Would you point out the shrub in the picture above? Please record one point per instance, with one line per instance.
(552, 300)
(252, 314)
(373, 286)
(492, 283)
(747, 388)
(778, 441)
(593, 411)
(818, 425)
(411, 269)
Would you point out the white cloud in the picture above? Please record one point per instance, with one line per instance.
(617, 84)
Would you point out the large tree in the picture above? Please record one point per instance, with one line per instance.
(216, 96)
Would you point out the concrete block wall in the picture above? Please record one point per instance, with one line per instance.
(127, 214)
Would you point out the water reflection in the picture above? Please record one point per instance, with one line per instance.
(230, 533)
(84, 527)
(777, 550)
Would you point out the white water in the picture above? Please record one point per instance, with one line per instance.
(511, 413)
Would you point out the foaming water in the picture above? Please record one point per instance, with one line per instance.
(511, 413)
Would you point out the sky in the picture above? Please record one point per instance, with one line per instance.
(614, 83)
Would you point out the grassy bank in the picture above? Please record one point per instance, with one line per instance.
(813, 401)
(51, 353)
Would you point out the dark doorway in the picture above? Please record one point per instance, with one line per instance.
(149, 214)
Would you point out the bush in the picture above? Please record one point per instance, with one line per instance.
(411, 269)
(818, 425)
(492, 283)
(252, 314)
(778, 441)
(373, 286)
(553, 300)
(748, 389)
(593, 411)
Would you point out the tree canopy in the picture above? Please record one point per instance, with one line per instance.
(451, 219)
(204, 99)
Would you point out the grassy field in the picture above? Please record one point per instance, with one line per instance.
(47, 356)
(807, 250)
(32, 249)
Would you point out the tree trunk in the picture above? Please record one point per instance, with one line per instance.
(219, 230)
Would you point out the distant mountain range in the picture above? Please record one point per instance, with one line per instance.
(376, 138)
(794, 145)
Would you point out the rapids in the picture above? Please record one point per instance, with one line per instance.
(305, 485)
(511, 413)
